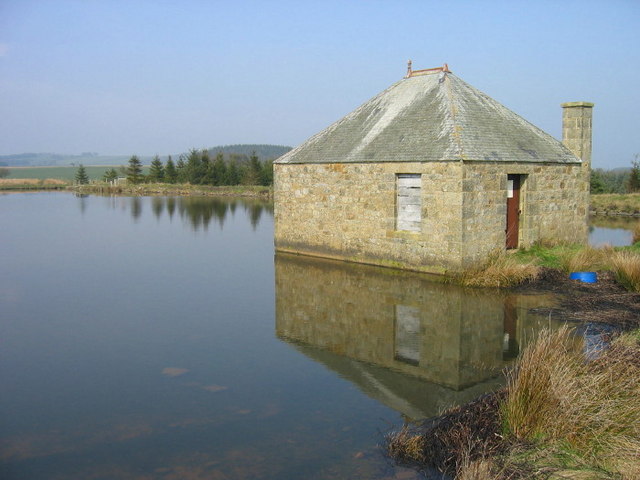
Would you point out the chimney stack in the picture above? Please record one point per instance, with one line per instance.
(576, 133)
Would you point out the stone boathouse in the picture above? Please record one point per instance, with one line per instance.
(433, 175)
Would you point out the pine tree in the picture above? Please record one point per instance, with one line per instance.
(219, 170)
(156, 172)
(194, 167)
(134, 170)
(81, 175)
(266, 173)
(233, 173)
(251, 174)
(170, 171)
(596, 184)
(633, 182)
(181, 167)
(110, 175)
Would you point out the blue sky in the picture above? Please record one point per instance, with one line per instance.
(146, 77)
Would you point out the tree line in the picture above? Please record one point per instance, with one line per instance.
(197, 167)
(617, 181)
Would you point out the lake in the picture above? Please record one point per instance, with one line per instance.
(162, 338)
(616, 231)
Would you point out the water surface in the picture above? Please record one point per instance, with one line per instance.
(160, 338)
(613, 231)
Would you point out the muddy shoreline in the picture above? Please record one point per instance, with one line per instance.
(473, 431)
(605, 301)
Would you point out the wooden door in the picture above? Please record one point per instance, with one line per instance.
(513, 210)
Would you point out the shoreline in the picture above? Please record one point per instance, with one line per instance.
(471, 438)
(143, 189)
(183, 189)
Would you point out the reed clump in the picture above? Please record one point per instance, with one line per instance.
(585, 259)
(558, 413)
(626, 265)
(406, 446)
(591, 409)
(636, 233)
(500, 270)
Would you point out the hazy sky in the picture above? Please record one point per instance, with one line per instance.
(146, 77)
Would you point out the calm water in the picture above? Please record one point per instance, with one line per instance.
(614, 231)
(160, 338)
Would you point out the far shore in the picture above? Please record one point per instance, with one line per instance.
(142, 189)
(178, 189)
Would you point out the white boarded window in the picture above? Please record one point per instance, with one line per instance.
(407, 340)
(408, 202)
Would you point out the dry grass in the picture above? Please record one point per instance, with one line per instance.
(477, 470)
(592, 408)
(636, 233)
(628, 203)
(626, 265)
(30, 183)
(54, 181)
(406, 446)
(584, 259)
(19, 181)
(452, 442)
(500, 270)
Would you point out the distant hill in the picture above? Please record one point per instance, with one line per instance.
(264, 152)
(57, 159)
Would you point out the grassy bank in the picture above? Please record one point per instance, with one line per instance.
(9, 184)
(162, 189)
(511, 269)
(616, 204)
(559, 417)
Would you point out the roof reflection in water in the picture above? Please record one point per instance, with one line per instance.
(412, 343)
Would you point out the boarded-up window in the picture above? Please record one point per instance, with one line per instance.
(408, 202)
(407, 339)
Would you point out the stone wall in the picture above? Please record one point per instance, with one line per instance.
(554, 206)
(347, 211)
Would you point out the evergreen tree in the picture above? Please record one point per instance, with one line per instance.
(633, 182)
(233, 173)
(208, 177)
(81, 175)
(251, 174)
(110, 175)
(156, 172)
(194, 167)
(134, 170)
(597, 184)
(266, 174)
(181, 166)
(170, 171)
(219, 170)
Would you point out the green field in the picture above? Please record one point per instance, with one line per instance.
(63, 173)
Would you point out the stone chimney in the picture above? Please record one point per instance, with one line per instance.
(576, 133)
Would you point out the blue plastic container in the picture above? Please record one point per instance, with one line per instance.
(586, 277)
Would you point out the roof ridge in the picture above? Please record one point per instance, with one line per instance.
(457, 129)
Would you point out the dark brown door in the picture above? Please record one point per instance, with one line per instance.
(513, 210)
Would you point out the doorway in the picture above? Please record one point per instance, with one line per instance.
(514, 183)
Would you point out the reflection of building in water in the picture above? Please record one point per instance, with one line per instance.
(390, 331)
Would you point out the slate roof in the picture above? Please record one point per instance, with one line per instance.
(427, 118)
